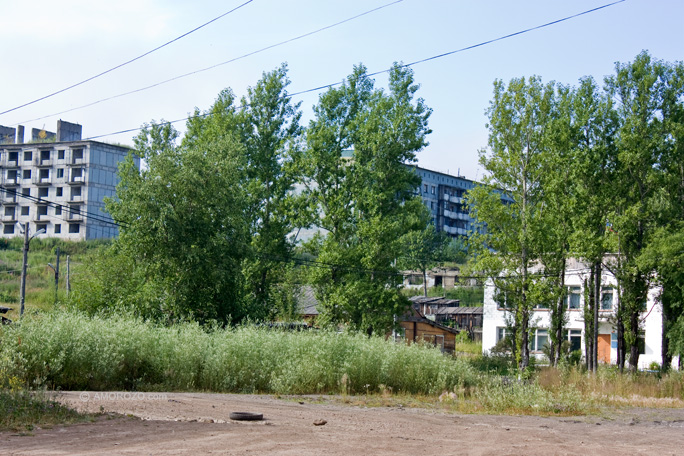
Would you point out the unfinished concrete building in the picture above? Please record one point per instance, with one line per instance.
(57, 182)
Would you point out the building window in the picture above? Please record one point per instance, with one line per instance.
(572, 300)
(607, 298)
(26, 191)
(574, 336)
(74, 227)
(425, 186)
(9, 211)
(41, 226)
(538, 338)
(60, 173)
(8, 229)
(44, 174)
(60, 154)
(28, 156)
(76, 174)
(43, 192)
(42, 210)
(27, 174)
(58, 191)
(44, 155)
(58, 228)
(77, 154)
(75, 192)
(12, 174)
(13, 156)
(432, 189)
(25, 210)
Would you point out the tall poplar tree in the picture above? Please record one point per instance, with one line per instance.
(358, 144)
(520, 116)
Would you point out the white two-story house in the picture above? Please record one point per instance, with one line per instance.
(496, 319)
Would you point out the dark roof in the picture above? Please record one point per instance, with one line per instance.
(458, 311)
(434, 301)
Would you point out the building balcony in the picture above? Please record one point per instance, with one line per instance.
(454, 230)
(76, 181)
(456, 215)
(41, 181)
(76, 162)
(9, 218)
(74, 216)
(44, 163)
(454, 199)
(8, 198)
(12, 181)
(10, 164)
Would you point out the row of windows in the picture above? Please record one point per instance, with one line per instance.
(44, 192)
(76, 154)
(13, 174)
(41, 209)
(73, 228)
(572, 299)
(538, 337)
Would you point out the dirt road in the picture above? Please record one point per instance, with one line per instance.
(199, 424)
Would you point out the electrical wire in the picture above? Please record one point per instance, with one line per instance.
(434, 57)
(213, 66)
(65, 208)
(126, 62)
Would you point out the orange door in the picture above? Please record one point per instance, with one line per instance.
(604, 348)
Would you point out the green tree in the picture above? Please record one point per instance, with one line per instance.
(423, 249)
(520, 116)
(644, 89)
(182, 225)
(267, 125)
(366, 203)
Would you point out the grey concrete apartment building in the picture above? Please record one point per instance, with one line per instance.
(444, 194)
(57, 182)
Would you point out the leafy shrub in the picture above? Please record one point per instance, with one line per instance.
(71, 350)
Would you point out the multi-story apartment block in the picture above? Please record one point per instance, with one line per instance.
(444, 195)
(57, 183)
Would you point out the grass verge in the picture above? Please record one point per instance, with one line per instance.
(24, 411)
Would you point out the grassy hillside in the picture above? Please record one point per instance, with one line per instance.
(40, 279)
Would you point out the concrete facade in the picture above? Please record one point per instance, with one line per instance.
(59, 186)
(443, 194)
(496, 319)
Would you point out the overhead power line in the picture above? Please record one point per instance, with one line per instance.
(126, 62)
(185, 75)
(434, 57)
(65, 208)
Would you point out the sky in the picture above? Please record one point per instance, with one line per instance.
(50, 45)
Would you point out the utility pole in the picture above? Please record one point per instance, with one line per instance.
(27, 241)
(56, 269)
(68, 283)
(22, 290)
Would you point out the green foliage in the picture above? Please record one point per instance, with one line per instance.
(182, 227)
(366, 203)
(72, 351)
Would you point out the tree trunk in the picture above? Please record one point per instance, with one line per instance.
(589, 322)
(666, 358)
(425, 282)
(597, 301)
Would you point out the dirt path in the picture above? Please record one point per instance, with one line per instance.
(198, 424)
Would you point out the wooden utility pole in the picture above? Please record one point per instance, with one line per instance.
(68, 283)
(22, 290)
(56, 269)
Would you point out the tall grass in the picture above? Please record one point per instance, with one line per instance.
(72, 351)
